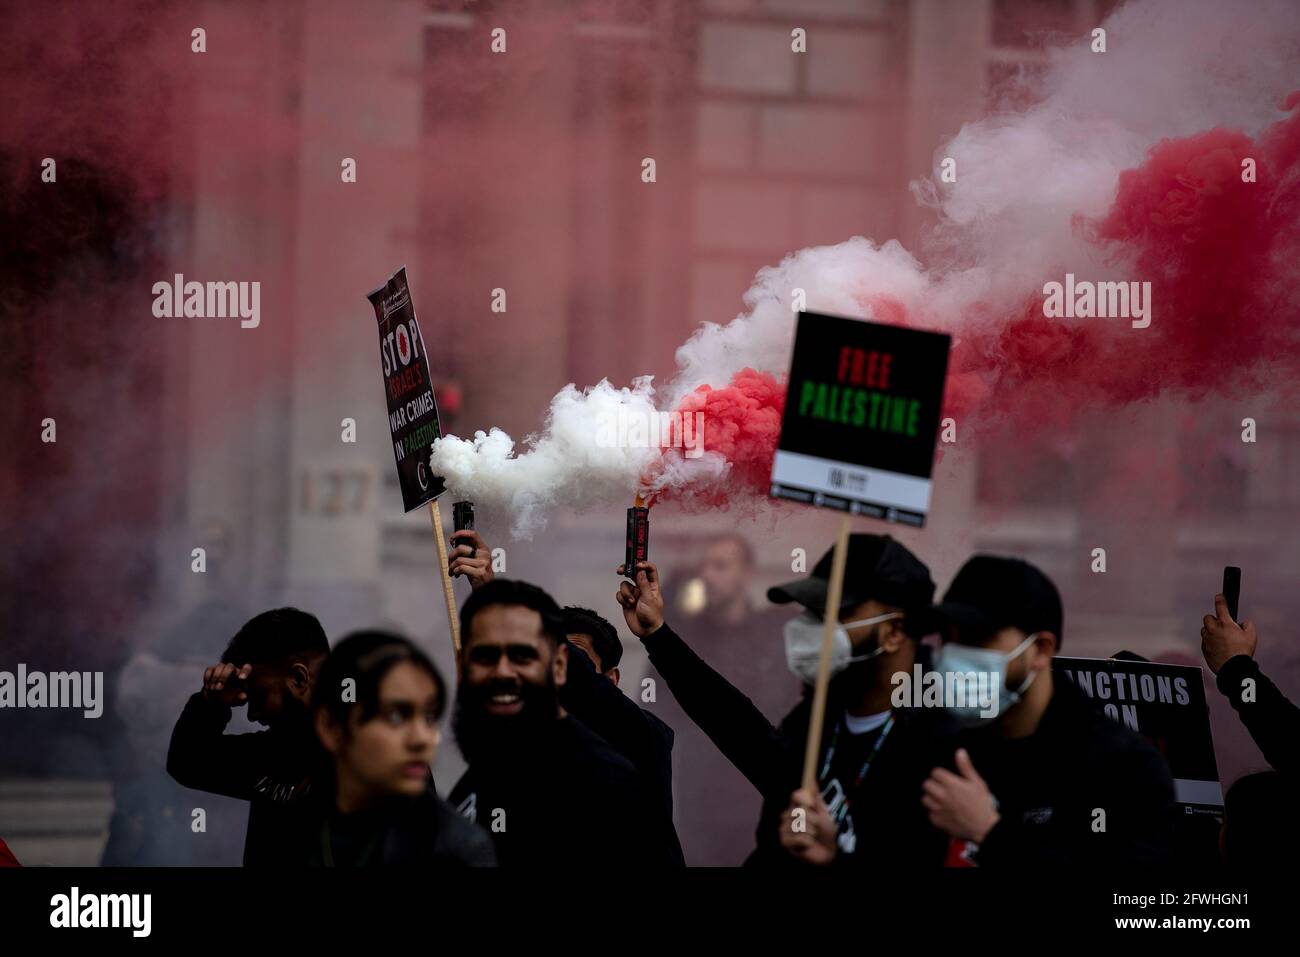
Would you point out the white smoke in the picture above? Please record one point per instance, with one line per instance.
(1171, 68)
(565, 465)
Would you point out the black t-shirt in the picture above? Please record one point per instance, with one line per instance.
(275, 770)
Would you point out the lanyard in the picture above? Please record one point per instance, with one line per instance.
(866, 766)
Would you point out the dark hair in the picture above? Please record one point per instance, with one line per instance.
(280, 636)
(366, 657)
(604, 637)
(1257, 812)
(510, 591)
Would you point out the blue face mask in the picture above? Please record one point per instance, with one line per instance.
(959, 660)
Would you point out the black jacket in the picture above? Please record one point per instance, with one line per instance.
(1048, 785)
(567, 799)
(771, 758)
(1081, 791)
(1272, 720)
(632, 731)
(403, 832)
(273, 770)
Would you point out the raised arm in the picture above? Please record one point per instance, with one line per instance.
(732, 722)
(201, 755)
(1272, 720)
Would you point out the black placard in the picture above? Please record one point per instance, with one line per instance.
(412, 410)
(861, 417)
(1165, 704)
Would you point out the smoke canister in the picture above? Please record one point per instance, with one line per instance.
(462, 515)
(637, 546)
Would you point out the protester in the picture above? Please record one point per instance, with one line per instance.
(633, 731)
(591, 694)
(1272, 720)
(1047, 777)
(710, 602)
(886, 592)
(271, 666)
(1040, 776)
(377, 704)
(547, 788)
(596, 638)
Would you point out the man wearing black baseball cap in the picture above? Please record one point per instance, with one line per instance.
(1040, 775)
(886, 597)
(876, 567)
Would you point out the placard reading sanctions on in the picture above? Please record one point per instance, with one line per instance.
(1165, 704)
(861, 417)
(412, 411)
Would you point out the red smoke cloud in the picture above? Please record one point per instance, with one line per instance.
(1220, 254)
(742, 422)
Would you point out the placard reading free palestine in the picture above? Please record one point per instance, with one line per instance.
(861, 417)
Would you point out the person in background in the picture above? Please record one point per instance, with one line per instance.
(377, 704)
(591, 694)
(596, 638)
(714, 613)
(1272, 720)
(270, 666)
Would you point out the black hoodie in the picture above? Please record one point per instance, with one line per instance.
(568, 799)
(273, 770)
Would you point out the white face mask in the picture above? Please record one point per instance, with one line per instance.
(803, 644)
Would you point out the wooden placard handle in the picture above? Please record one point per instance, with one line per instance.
(453, 619)
(831, 619)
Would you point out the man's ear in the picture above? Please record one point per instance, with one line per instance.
(612, 675)
(893, 637)
(330, 734)
(300, 681)
(1045, 643)
(560, 663)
